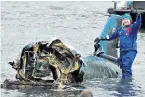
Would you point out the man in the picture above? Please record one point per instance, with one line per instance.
(127, 34)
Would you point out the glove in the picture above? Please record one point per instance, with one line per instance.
(138, 12)
(100, 38)
(97, 39)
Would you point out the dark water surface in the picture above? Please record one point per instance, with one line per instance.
(76, 23)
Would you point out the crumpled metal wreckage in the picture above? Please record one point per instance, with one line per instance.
(49, 61)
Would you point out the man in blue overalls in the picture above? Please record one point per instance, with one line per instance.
(127, 34)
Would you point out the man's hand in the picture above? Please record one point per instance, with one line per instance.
(138, 12)
(97, 39)
(101, 38)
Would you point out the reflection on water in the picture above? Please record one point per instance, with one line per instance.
(125, 88)
(115, 87)
(71, 91)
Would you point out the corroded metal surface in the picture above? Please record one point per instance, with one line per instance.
(49, 60)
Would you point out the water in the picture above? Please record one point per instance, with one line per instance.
(76, 23)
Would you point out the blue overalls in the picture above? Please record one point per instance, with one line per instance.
(128, 46)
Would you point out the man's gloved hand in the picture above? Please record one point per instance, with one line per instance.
(97, 39)
(138, 12)
(100, 38)
(138, 16)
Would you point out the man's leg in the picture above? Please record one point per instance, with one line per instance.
(126, 64)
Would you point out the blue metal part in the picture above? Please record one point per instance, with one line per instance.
(109, 47)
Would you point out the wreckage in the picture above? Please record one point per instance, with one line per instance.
(49, 61)
(54, 63)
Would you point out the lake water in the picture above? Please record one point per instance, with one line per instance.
(76, 23)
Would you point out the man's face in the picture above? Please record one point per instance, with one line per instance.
(126, 22)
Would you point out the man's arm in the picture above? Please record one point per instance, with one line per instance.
(109, 37)
(114, 35)
(137, 23)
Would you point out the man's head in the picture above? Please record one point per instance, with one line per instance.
(126, 19)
